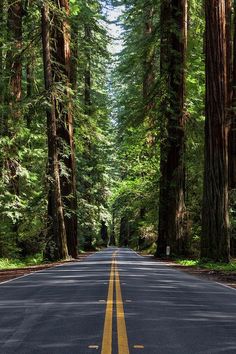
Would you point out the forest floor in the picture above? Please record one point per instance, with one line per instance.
(225, 277)
(8, 274)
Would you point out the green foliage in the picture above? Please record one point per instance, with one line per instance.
(23, 143)
(135, 192)
(195, 105)
(196, 263)
(6, 263)
(93, 126)
(117, 128)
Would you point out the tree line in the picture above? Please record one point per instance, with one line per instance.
(135, 149)
(176, 109)
(53, 58)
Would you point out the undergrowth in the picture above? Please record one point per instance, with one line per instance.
(7, 263)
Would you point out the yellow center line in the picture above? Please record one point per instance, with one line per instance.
(123, 346)
(107, 331)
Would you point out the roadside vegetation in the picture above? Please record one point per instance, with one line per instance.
(214, 266)
(14, 263)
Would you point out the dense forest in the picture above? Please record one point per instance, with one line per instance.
(133, 147)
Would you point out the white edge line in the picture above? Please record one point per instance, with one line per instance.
(225, 285)
(137, 254)
(41, 270)
(31, 273)
(213, 281)
(16, 278)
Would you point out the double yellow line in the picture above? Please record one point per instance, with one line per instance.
(123, 347)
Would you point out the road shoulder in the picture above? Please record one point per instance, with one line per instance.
(224, 278)
(9, 274)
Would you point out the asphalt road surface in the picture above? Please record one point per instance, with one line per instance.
(116, 302)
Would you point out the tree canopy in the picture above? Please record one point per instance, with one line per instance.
(133, 147)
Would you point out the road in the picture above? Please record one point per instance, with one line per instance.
(116, 302)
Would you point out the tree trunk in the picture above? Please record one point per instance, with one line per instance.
(61, 73)
(87, 140)
(14, 61)
(57, 241)
(1, 63)
(87, 73)
(112, 241)
(232, 133)
(172, 230)
(215, 220)
(124, 232)
(29, 90)
(14, 93)
(104, 233)
(74, 54)
(148, 64)
(149, 74)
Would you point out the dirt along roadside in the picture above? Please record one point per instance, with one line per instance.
(224, 277)
(8, 274)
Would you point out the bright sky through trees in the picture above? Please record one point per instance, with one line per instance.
(114, 29)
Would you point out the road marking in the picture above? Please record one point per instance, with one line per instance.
(114, 282)
(123, 346)
(107, 331)
(225, 286)
(138, 346)
(93, 346)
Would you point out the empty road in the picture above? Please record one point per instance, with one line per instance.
(116, 302)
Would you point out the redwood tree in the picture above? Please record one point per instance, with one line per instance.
(232, 135)
(13, 94)
(61, 56)
(172, 213)
(215, 220)
(56, 237)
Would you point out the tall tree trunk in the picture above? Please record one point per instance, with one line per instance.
(87, 73)
(74, 54)
(112, 241)
(14, 60)
(29, 90)
(87, 141)
(29, 66)
(61, 73)
(172, 229)
(1, 72)
(1, 54)
(215, 220)
(56, 229)
(232, 133)
(149, 65)
(14, 92)
(124, 232)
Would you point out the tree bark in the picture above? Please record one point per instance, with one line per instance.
(29, 90)
(74, 54)
(232, 133)
(149, 62)
(172, 230)
(149, 72)
(87, 73)
(61, 73)
(57, 240)
(1, 62)
(215, 220)
(88, 145)
(124, 232)
(13, 93)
